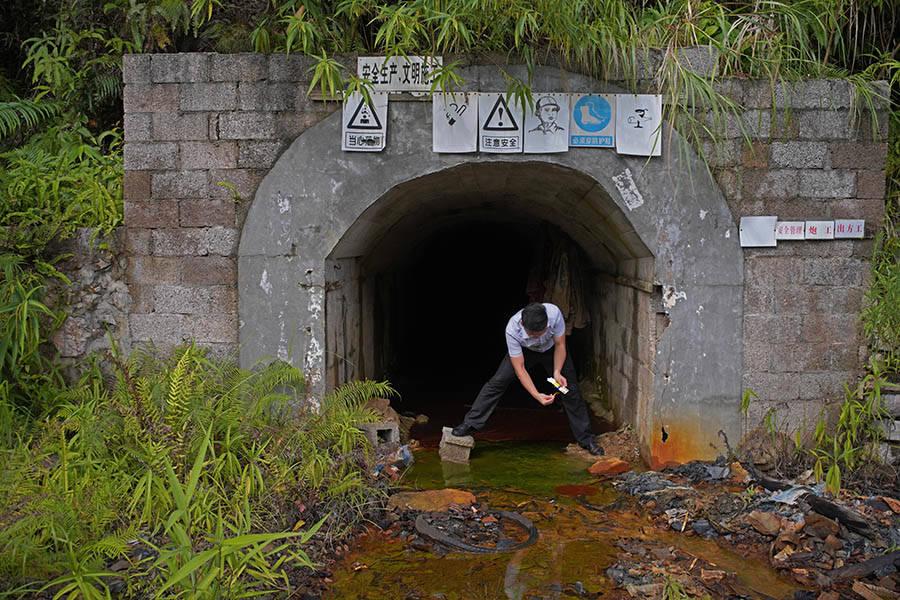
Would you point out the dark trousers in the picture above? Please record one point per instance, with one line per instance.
(573, 403)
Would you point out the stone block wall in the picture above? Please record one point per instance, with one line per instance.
(810, 156)
(201, 132)
(193, 121)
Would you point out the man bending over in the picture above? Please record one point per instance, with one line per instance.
(536, 335)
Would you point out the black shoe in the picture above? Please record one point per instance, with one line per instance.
(463, 430)
(593, 448)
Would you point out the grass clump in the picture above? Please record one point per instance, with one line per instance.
(206, 479)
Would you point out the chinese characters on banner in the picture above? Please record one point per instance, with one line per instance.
(499, 124)
(398, 73)
(364, 123)
(593, 122)
(759, 232)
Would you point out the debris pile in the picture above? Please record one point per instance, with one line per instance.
(843, 544)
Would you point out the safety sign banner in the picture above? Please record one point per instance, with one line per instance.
(593, 122)
(364, 123)
(547, 124)
(454, 122)
(398, 73)
(499, 124)
(639, 124)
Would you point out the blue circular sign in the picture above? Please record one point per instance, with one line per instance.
(592, 113)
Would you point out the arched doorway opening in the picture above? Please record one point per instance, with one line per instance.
(420, 287)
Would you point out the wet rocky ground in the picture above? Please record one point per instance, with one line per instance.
(699, 530)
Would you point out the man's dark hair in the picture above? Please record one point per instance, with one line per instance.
(534, 317)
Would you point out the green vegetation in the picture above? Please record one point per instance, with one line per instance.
(196, 471)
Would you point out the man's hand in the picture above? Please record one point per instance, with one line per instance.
(560, 379)
(545, 399)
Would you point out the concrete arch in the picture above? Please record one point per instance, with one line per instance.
(661, 223)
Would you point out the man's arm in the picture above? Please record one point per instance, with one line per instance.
(559, 359)
(518, 363)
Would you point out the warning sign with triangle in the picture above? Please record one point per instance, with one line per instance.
(500, 118)
(499, 128)
(364, 117)
(364, 123)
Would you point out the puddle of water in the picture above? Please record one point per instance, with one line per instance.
(576, 543)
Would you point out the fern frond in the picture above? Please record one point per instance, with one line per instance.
(19, 114)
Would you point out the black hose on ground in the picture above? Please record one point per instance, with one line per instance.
(433, 533)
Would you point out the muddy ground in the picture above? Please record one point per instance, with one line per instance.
(701, 530)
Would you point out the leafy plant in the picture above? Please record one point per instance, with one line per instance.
(855, 437)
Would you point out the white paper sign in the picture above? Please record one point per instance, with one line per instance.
(499, 124)
(547, 124)
(638, 124)
(454, 123)
(820, 230)
(593, 121)
(790, 230)
(758, 232)
(849, 228)
(364, 124)
(398, 73)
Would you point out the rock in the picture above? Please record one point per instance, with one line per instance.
(833, 543)
(712, 575)
(608, 466)
(765, 523)
(703, 528)
(454, 448)
(873, 592)
(893, 503)
(430, 500)
(819, 526)
(738, 473)
(382, 408)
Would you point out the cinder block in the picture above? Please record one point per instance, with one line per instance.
(138, 242)
(208, 96)
(179, 68)
(206, 213)
(180, 126)
(138, 127)
(136, 185)
(147, 97)
(209, 270)
(455, 449)
(290, 67)
(871, 184)
(221, 329)
(776, 183)
(824, 125)
(267, 96)
(208, 155)
(151, 213)
(258, 155)
(148, 156)
(193, 300)
(246, 126)
(154, 270)
(248, 66)
(858, 155)
(799, 155)
(136, 68)
(245, 182)
(816, 183)
(179, 184)
(382, 432)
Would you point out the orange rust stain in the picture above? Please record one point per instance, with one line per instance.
(684, 442)
(576, 490)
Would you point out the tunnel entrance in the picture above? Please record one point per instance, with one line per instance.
(665, 262)
(440, 312)
(419, 292)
